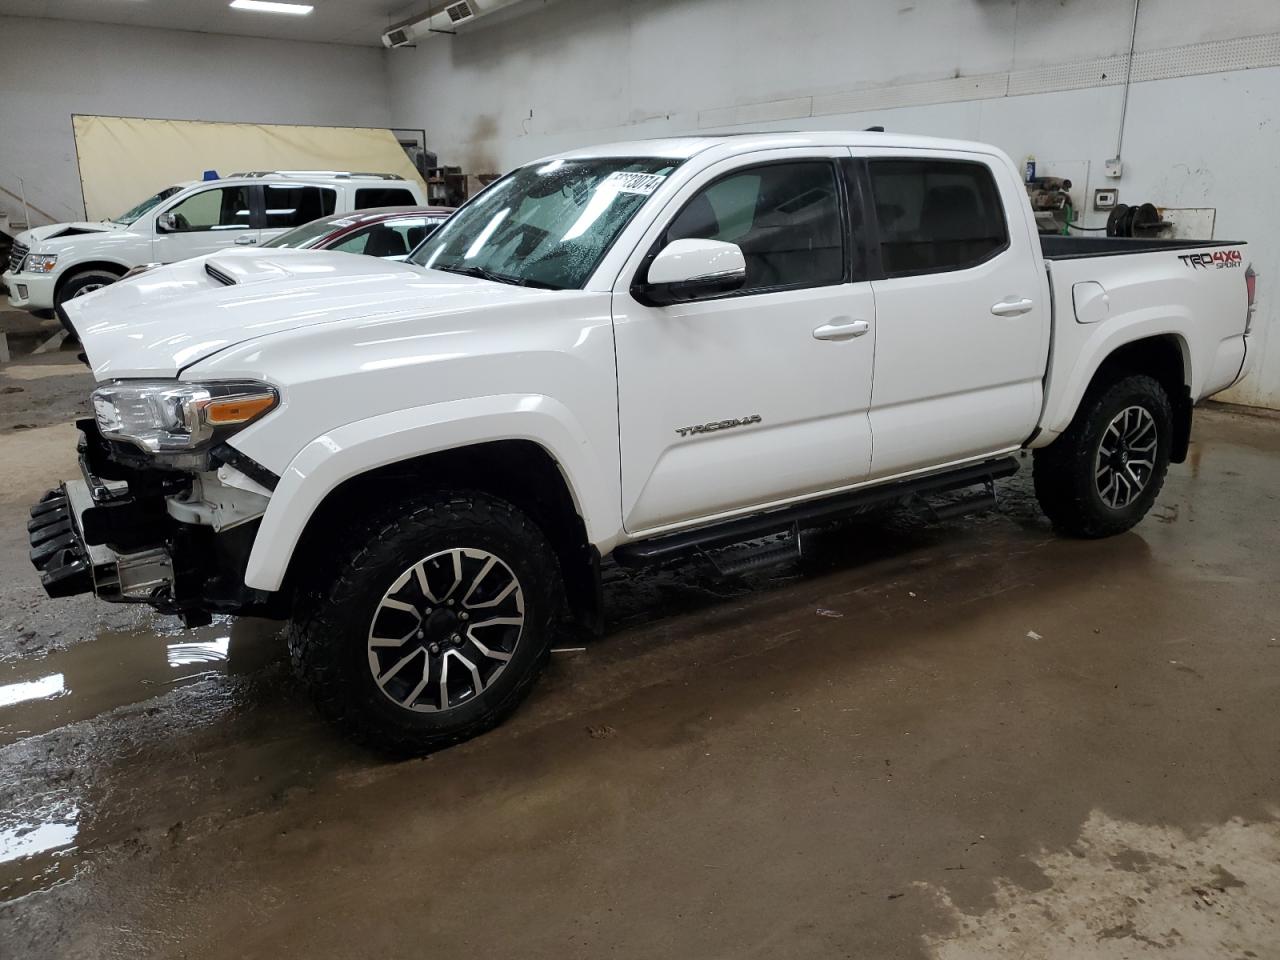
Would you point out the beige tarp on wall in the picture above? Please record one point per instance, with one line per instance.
(124, 160)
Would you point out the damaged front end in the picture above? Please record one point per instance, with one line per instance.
(133, 531)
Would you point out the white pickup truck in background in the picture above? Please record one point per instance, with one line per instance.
(642, 351)
(52, 264)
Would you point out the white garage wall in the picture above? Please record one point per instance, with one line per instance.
(50, 69)
(548, 76)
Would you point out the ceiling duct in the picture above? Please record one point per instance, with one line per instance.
(441, 18)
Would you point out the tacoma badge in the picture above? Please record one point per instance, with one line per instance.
(717, 425)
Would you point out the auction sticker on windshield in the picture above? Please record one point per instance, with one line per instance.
(642, 183)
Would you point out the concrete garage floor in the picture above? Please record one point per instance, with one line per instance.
(953, 741)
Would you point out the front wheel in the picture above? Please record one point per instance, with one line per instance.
(435, 625)
(1101, 476)
(77, 285)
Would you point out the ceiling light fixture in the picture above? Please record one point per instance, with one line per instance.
(271, 6)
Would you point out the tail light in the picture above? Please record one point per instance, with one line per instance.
(1251, 284)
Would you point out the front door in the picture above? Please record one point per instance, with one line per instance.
(759, 396)
(962, 327)
(205, 222)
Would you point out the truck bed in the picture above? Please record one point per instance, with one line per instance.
(1192, 293)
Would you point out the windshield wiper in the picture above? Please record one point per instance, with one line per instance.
(486, 274)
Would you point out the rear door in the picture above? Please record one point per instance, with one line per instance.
(289, 205)
(962, 321)
(758, 396)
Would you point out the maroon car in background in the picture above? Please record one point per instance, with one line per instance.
(386, 232)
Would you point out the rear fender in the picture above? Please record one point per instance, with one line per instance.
(1066, 388)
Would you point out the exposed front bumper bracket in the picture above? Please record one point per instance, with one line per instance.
(57, 550)
(68, 566)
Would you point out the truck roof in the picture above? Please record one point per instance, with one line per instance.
(682, 148)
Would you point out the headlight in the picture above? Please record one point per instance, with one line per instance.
(166, 416)
(40, 262)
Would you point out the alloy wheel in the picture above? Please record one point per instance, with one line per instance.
(1126, 457)
(446, 629)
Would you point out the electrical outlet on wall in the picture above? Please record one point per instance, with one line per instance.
(1113, 168)
(1105, 198)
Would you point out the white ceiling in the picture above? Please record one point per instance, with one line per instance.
(332, 21)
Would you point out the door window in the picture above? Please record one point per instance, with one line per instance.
(784, 216)
(223, 208)
(384, 197)
(291, 206)
(936, 215)
(395, 238)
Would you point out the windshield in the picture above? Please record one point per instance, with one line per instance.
(546, 225)
(129, 216)
(309, 233)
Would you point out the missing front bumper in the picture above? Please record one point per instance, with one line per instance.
(69, 566)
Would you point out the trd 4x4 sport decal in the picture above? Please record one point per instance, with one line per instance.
(1216, 260)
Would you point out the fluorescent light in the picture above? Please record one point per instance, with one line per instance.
(271, 6)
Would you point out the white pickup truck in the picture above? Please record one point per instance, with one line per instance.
(640, 351)
(52, 264)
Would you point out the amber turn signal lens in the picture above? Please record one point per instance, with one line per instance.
(235, 410)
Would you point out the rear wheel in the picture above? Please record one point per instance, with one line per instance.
(435, 625)
(1103, 474)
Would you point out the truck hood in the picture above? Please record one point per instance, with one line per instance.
(40, 238)
(157, 323)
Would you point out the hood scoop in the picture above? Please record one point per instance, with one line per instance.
(73, 232)
(247, 266)
(221, 276)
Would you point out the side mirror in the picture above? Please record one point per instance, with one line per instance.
(692, 270)
(166, 223)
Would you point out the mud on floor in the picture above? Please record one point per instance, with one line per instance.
(955, 740)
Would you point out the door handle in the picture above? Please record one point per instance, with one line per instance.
(1012, 308)
(245, 241)
(841, 331)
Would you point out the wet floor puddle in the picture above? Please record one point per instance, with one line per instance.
(38, 846)
(122, 668)
(38, 840)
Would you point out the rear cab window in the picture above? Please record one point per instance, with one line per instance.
(936, 215)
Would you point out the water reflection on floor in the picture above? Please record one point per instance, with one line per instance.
(38, 833)
(123, 668)
(37, 845)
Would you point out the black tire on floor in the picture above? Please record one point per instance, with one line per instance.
(1065, 472)
(335, 617)
(77, 285)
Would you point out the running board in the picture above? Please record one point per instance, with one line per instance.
(753, 555)
(792, 518)
(977, 503)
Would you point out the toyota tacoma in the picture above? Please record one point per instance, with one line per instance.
(643, 351)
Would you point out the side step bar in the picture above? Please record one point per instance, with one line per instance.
(670, 546)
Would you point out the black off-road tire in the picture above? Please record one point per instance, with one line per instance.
(1064, 471)
(86, 281)
(329, 631)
